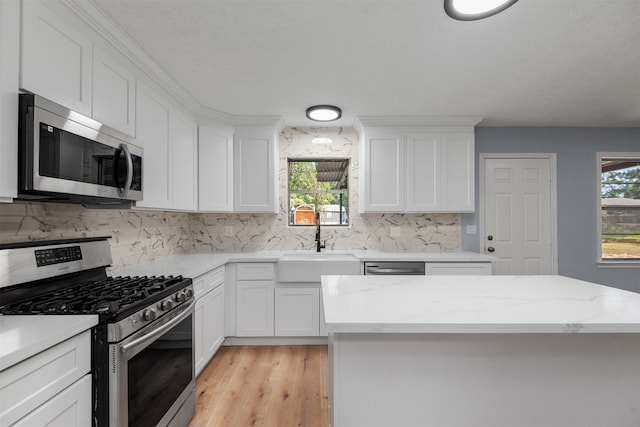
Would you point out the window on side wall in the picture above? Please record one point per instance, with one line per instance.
(619, 208)
(318, 186)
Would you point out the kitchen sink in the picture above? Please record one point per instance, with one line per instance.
(309, 266)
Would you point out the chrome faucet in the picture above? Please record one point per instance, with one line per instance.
(319, 245)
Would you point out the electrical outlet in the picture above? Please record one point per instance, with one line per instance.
(228, 231)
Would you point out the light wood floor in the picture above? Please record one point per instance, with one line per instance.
(264, 386)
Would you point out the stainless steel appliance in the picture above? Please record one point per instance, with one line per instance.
(394, 268)
(143, 347)
(67, 157)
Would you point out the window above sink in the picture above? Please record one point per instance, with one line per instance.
(318, 185)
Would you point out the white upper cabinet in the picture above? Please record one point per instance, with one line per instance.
(152, 130)
(215, 169)
(170, 164)
(384, 171)
(113, 93)
(9, 71)
(458, 171)
(417, 168)
(183, 138)
(55, 58)
(423, 171)
(255, 169)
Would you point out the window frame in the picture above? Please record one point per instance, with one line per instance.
(606, 262)
(348, 190)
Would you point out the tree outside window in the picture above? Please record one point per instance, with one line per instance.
(620, 208)
(318, 186)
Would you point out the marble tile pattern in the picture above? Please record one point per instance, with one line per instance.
(419, 232)
(136, 236)
(140, 236)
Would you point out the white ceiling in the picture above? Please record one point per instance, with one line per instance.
(540, 63)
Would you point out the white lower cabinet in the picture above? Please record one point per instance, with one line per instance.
(255, 308)
(255, 299)
(458, 268)
(70, 408)
(50, 388)
(297, 311)
(209, 316)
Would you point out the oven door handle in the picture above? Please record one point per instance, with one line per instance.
(159, 331)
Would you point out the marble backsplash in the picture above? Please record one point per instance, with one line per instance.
(138, 236)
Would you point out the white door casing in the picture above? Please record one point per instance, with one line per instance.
(518, 212)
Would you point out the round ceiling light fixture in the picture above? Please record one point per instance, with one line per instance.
(471, 10)
(324, 113)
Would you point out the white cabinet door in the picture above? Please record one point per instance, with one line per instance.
(152, 129)
(184, 171)
(255, 171)
(458, 268)
(457, 185)
(30, 384)
(215, 170)
(209, 317)
(423, 173)
(70, 408)
(56, 58)
(198, 334)
(255, 307)
(113, 93)
(9, 71)
(384, 174)
(297, 312)
(214, 321)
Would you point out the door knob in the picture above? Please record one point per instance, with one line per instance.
(491, 249)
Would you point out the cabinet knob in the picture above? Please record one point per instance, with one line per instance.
(489, 237)
(491, 249)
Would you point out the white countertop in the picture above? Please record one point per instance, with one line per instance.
(476, 304)
(24, 336)
(195, 264)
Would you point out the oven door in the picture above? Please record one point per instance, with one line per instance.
(152, 373)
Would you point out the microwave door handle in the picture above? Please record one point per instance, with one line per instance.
(127, 185)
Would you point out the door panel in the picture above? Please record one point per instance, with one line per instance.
(518, 214)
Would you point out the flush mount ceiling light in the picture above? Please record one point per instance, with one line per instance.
(471, 10)
(324, 113)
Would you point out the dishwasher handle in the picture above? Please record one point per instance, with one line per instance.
(394, 268)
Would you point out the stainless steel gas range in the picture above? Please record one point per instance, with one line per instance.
(143, 347)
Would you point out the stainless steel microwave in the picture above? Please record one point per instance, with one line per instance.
(67, 157)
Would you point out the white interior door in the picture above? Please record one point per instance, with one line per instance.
(519, 214)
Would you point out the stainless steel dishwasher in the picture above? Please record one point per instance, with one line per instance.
(394, 268)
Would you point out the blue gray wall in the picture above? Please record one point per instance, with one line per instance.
(577, 192)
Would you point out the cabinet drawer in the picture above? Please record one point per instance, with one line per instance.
(29, 384)
(208, 281)
(458, 268)
(256, 271)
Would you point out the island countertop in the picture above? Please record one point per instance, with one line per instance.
(476, 304)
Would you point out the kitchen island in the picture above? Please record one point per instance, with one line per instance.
(481, 351)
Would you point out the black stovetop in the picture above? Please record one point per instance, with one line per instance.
(113, 297)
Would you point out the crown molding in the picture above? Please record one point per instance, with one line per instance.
(105, 27)
(416, 121)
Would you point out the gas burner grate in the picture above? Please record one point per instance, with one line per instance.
(114, 295)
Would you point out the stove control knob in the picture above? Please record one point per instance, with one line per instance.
(180, 297)
(149, 315)
(189, 292)
(166, 305)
